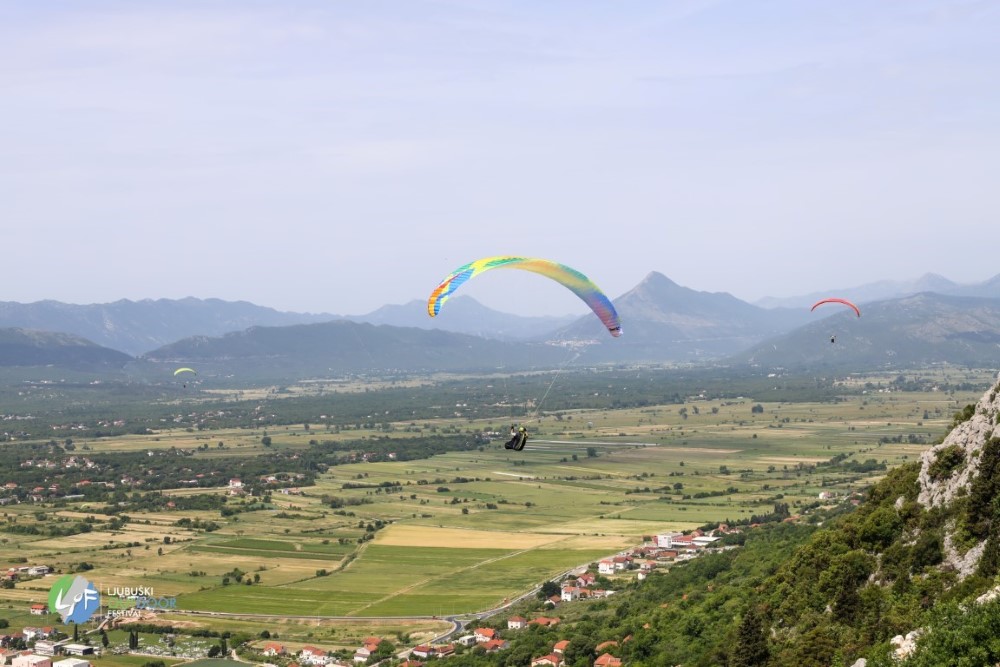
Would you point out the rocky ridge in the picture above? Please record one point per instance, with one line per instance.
(947, 472)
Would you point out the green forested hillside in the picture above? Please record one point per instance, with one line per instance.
(25, 347)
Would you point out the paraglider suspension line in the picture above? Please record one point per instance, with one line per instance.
(555, 377)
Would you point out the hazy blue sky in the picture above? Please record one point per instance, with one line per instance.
(335, 156)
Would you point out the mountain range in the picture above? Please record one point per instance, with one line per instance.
(332, 348)
(891, 289)
(468, 316)
(135, 327)
(662, 321)
(914, 330)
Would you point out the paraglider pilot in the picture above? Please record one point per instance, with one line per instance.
(518, 438)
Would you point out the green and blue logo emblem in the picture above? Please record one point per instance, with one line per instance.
(74, 598)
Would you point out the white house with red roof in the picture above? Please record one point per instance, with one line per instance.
(39, 609)
(560, 646)
(485, 634)
(570, 593)
(607, 660)
(622, 562)
(606, 566)
(273, 648)
(544, 620)
(495, 645)
(369, 647)
(666, 540)
(682, 542)
(550, 660)
(310, 655)
(517, 623)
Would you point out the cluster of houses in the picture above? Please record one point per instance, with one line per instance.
(236, 487)
(42, 493)
(41, 636)
(15, 573)
(371, 457)
(310, 655)
(657, 550)
(555, 658)
(71, 462)
(44, 651)
(490, 641)
(583, 586)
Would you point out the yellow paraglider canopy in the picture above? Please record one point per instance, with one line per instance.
(185, 370)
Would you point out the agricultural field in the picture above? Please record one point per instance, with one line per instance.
(470, 529)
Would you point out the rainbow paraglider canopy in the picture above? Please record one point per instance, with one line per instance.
(569, 277)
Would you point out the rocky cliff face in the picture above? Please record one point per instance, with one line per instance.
(971, 437)
(948, 471)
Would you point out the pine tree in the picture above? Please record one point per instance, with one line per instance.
(76, 632)
(751, 644)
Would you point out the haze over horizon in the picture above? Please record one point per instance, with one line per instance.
(574, 307)
(335, 157)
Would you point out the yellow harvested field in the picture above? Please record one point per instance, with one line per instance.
(68, 514)
(459, 538)
(79, 541)
(102, 538)
(26, 595)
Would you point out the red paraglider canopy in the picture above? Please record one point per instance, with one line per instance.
(833, 300)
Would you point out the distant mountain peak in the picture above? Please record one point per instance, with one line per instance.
(655, 278)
